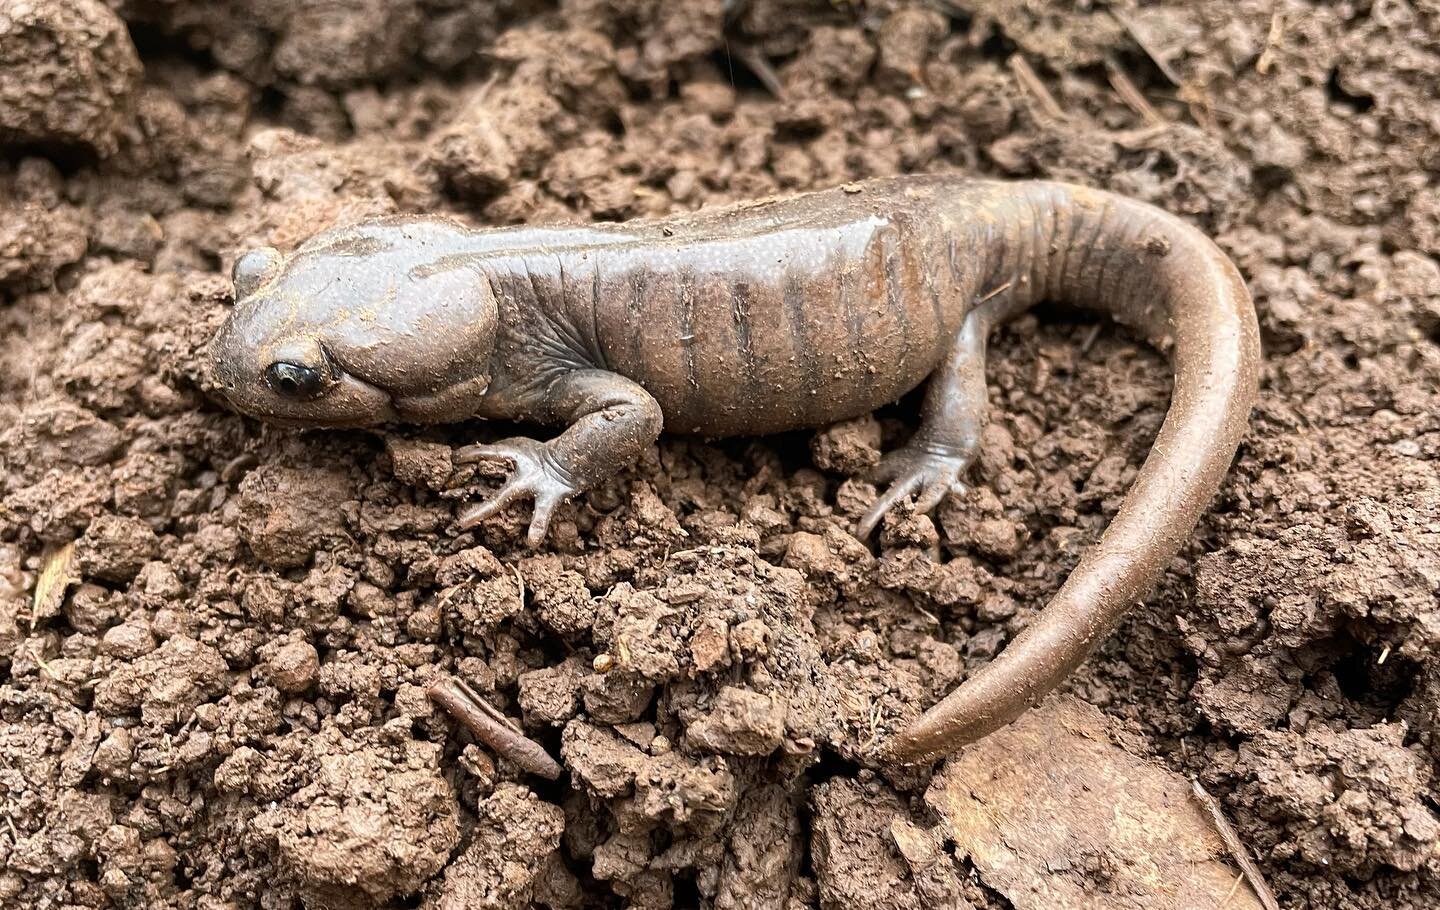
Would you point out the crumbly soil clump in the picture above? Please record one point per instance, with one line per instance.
(216, 697)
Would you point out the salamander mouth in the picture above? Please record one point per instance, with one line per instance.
(350, 402)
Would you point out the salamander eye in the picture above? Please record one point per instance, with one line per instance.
(291, 380)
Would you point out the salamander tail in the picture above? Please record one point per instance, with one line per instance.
(1152, 271)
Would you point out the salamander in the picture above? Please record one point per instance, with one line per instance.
(756, 318)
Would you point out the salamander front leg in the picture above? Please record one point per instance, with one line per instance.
(933, 462)
(610, 422)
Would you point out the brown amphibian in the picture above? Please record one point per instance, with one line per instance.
(757, 318)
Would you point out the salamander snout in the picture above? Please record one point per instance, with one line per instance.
(359, 324)
(275, 368)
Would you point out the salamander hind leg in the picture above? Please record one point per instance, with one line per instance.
(932, 464)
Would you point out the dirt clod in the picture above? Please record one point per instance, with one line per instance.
(860, 862)
(740, 722)
(165, 685)
(374, 822)
(511, 852)
(70, 74)
(286, 514)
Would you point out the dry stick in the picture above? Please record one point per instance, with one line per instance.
(997, 292)
(749, 55)
(491, 727)
(1234, 886)
(1137, 138)
(1138, 37)
(1131, 94)
(1236, 848)
(1202, 107)
(1030, 81)
(756, 63)
(1188, 96)
(1272, 40)
(1195, 97)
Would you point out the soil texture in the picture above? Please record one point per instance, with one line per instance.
(215, 637)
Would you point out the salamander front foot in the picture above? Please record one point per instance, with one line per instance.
(925, 473)
(535, 475)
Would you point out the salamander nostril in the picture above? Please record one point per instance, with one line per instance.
(293, 380)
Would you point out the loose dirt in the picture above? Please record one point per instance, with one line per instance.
(218, 699)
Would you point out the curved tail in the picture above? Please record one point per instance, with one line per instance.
(1150, 270)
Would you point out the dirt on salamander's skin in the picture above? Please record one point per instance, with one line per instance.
(230, 693)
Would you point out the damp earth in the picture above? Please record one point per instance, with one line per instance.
(216, 637)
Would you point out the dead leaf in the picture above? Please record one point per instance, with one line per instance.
(57, 574)
(1055, 816)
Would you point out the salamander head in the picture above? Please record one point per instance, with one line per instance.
(361, 325)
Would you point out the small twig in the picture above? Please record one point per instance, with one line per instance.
(1196, 98)
(1202, 107)
(1138, 37)
(1139, 137)
(1266, 61)
(1030, 81)
(1234, 886)
(1236, 848)
(997, 292)
(732, 10)
(1088, 341)
(1190, 98)
(1131, 94)
(874, 728)
(40, 661)
(756, 63)
(483, 93)
(491, 727)
(934, 620)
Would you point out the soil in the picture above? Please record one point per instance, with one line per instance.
(215, 698)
